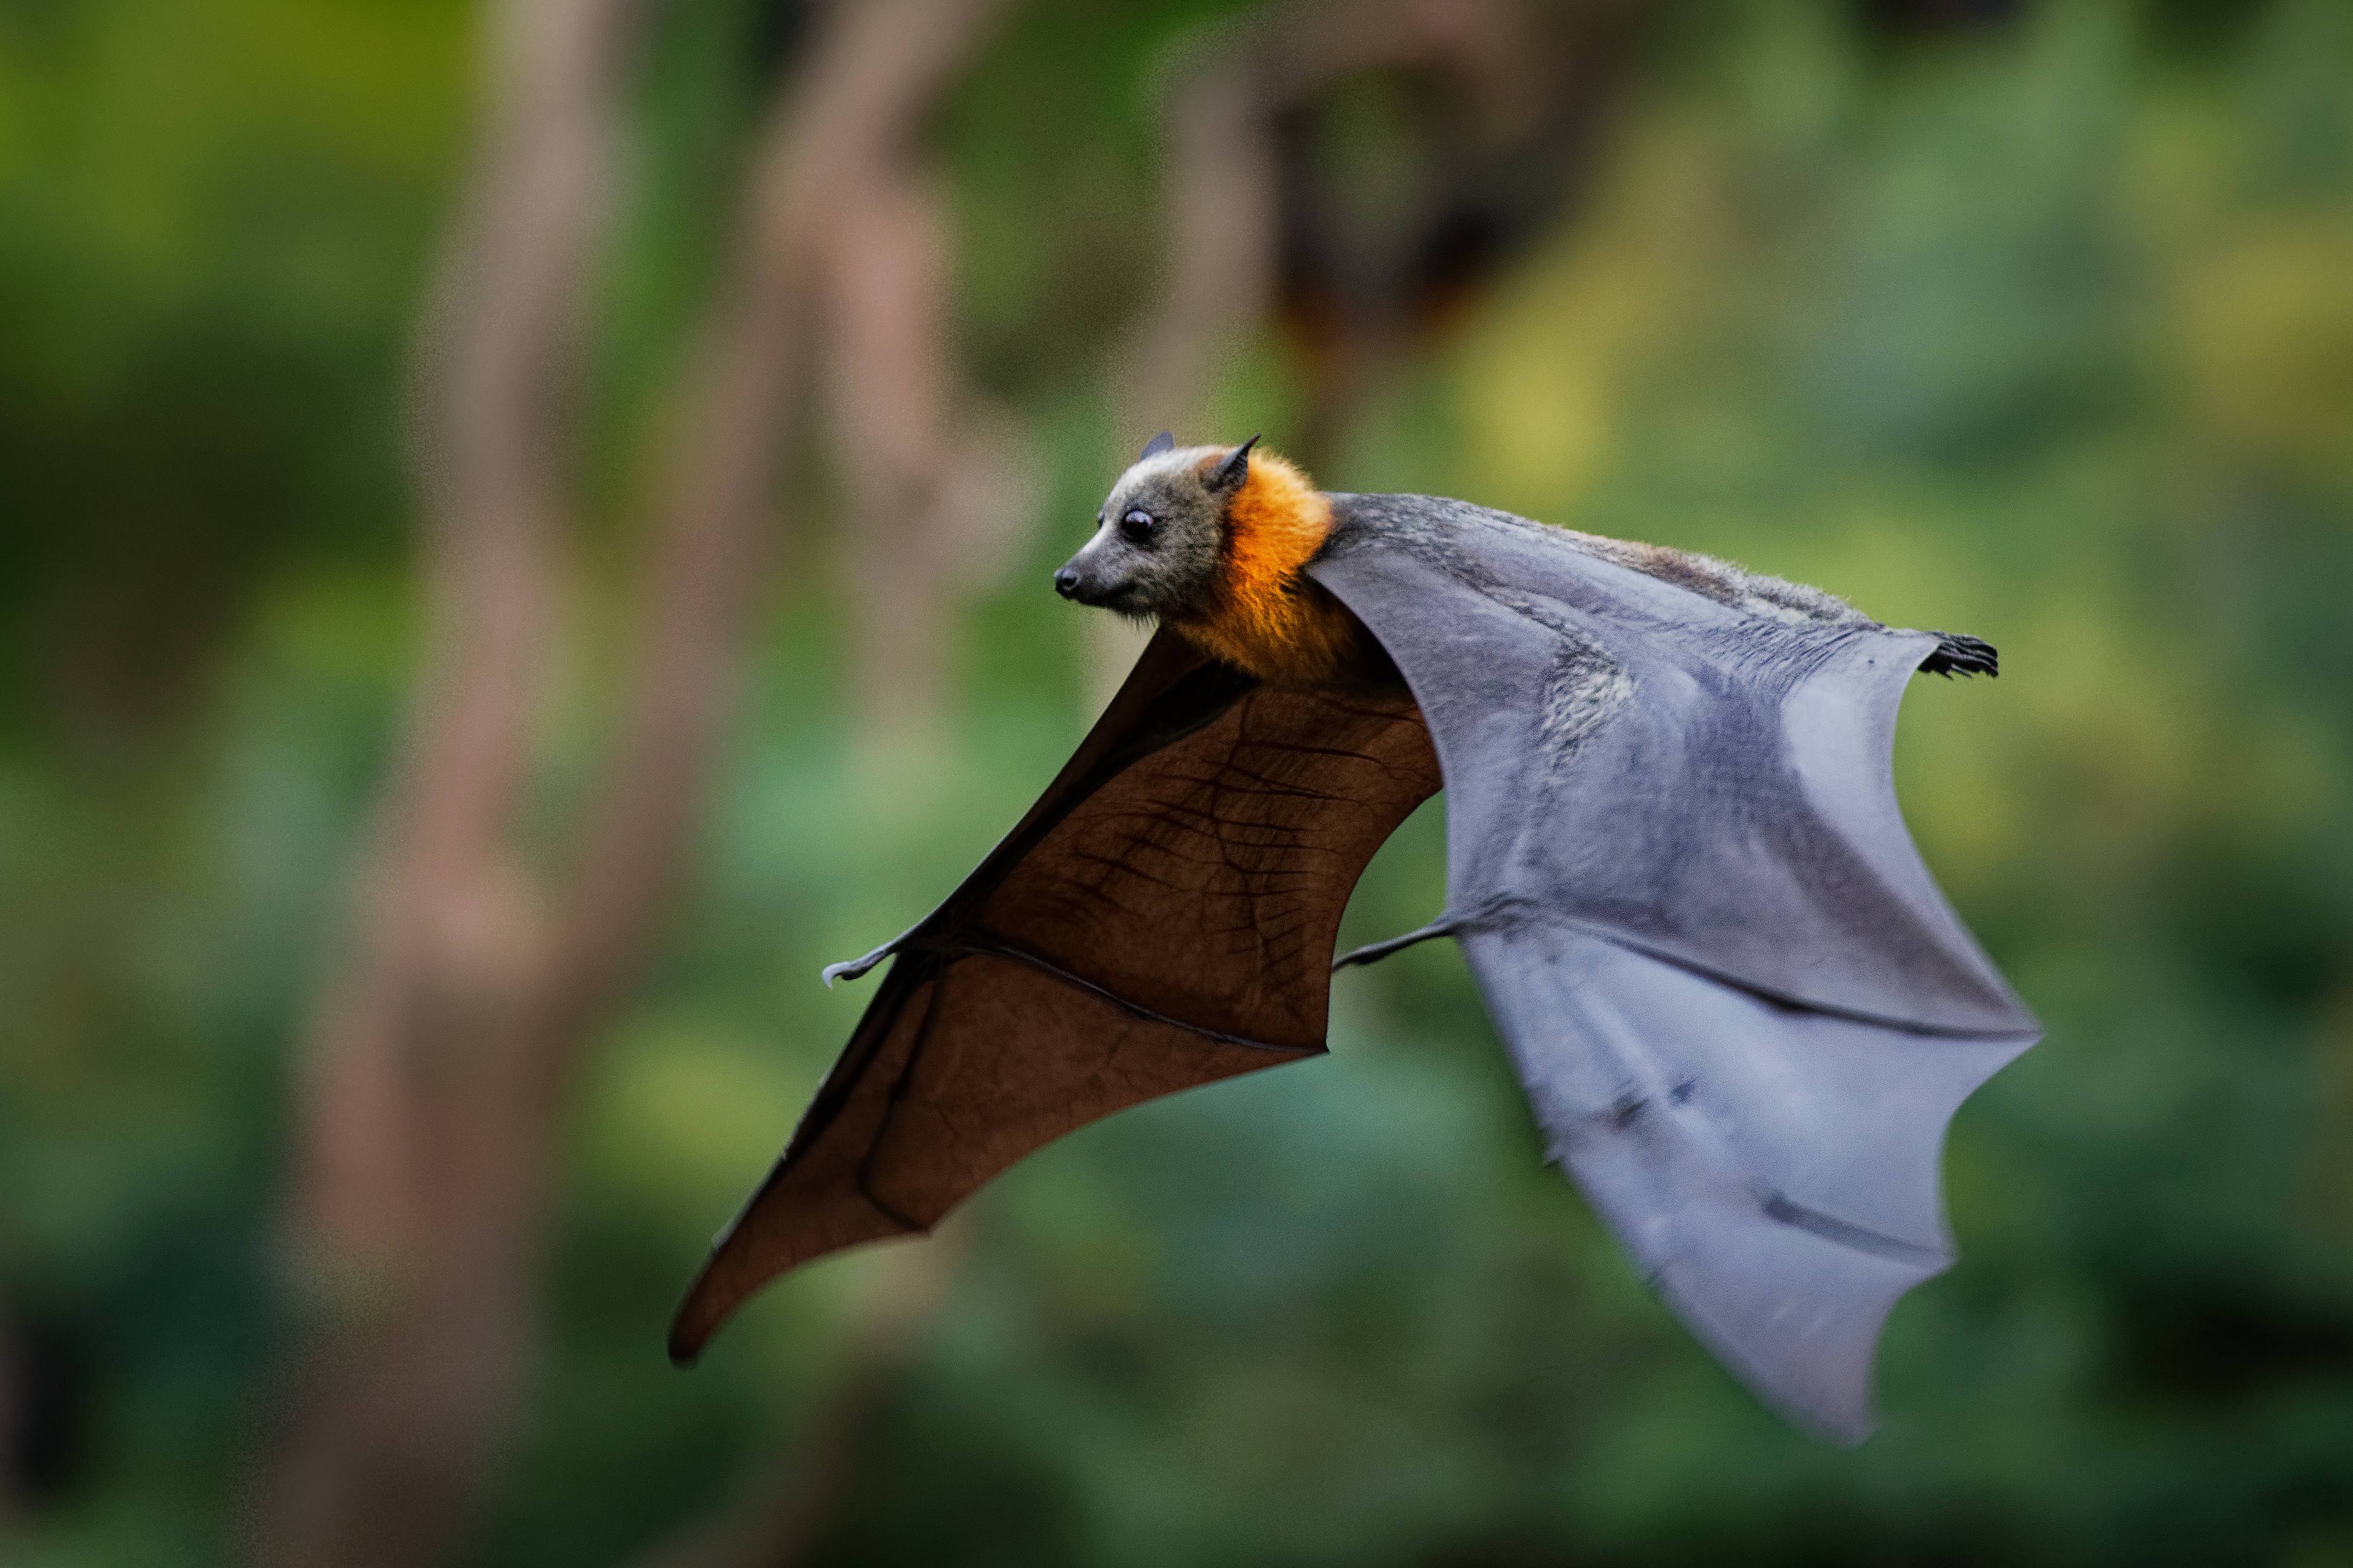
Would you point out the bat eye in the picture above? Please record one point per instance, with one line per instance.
(1137, 526)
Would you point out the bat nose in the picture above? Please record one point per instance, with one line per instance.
(1066, 583)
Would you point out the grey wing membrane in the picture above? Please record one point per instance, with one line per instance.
(1742, 1014)
(1162, 918)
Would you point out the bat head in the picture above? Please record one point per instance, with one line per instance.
(1158, 537)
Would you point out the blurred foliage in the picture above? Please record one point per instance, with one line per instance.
(2039, 329)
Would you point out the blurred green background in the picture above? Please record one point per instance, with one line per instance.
(2034, 322)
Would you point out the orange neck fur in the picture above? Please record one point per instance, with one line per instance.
(1264, 615)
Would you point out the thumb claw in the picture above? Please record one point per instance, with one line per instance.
(850, 969)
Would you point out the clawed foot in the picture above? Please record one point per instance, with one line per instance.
(1958, 654)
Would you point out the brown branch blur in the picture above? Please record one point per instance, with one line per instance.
(1517, 80)
(441, 1048)
(1222, 103)
(1233, 100)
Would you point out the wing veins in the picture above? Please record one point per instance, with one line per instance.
(996, 946)
(1514, 913)
(1782, 1209)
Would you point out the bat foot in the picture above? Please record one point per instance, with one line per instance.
(1958, 655)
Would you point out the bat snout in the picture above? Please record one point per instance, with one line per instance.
(1085, 582)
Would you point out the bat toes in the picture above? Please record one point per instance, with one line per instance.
(1958, 654)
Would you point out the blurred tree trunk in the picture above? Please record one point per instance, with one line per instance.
(938, 478)
(419, 1177)
(441, 1046)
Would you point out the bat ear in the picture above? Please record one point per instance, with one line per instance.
(1234, 469)
(1164, 442)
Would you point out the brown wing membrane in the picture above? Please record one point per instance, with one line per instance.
(1163, 917)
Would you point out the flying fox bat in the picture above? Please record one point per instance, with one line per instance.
(1741, 1010)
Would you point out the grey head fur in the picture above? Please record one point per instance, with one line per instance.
(1157, 538)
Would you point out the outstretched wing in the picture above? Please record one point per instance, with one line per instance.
(1742, 1012)
(1163, 917)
